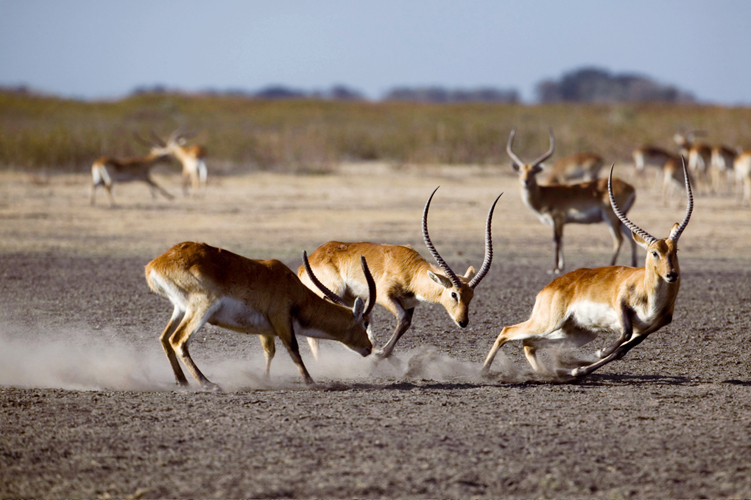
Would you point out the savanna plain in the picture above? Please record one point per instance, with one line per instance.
(88, 405)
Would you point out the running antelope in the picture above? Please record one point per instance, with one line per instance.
(632, 303)
(578, 166)
(107, 171)
(192, 158)
(263, 297)
(582, 203)
(403, 277)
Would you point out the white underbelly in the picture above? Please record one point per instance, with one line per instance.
(236, 315)
(596, 317)
(588, 216)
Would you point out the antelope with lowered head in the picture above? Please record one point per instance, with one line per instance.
(108, 171)
(403, 277)
(631, 303)
(264, 297)
(581, 203)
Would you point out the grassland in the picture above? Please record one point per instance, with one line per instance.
(44, 133)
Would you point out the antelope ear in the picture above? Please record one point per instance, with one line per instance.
(536, 169)
(358, 308)
(640, 241)
(515, 166)
(441, 280)
(673, 230)
(470, 273)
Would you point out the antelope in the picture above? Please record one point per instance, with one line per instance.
(192, 158)
(107, 171)
(742, 168)
(582, 203)
(674, 177)
(699, 155)
(585, 166)
(264, 297)
(403, 277)
(653, 156)
(632, 303)
(721, 164)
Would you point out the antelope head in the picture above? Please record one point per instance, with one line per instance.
(662, 255)
(528, 171)
(458, 291)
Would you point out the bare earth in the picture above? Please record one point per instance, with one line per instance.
(88, 408)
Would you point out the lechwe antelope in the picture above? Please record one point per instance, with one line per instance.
(582, 203)
(192, 158)
(632, 303)
(742, 167)
(107, 171)
(263, 297)
(578, 166)
(721, 167)
(699, 155)
(674, 177)
(650, 156)
(403, 277)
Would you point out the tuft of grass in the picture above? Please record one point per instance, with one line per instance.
(40, 133)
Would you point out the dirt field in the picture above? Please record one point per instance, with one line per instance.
(88, 408)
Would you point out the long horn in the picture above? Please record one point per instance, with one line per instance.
(689, 208)
(328, 293)
(508, 148)
(371, 286)
(633, 227)
(488, 248)
(426, 237)
(549, 153)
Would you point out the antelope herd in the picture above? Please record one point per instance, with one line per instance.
(333, 293)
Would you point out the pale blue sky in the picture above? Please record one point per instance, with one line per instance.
(105, 48)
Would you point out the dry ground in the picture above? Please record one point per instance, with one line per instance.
(88, 409)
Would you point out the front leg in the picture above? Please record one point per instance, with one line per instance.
(284, 330)
(404, 321)
(626, 332)
(558, 241)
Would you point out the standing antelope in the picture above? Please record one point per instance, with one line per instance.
(107, 171)
(192, 158)
(578, 166)
(263, 297)
(574, 308)
(403, 277)
(674, 177)
(699, 155)
(582, 203)
(721, 166)
(650, 156)
(742, 168)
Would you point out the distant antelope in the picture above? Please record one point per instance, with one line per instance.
(578, 166)
(650, 156)
(632, 303)
(583, 203)
(107, 171)
(699, 155)
(721, 169)
(192, 158)
(742, 168)
(403, 277)
(263, 297)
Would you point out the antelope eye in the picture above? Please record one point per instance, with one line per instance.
(655, 255)
(455, 296)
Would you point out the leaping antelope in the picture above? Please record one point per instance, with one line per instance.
(107, 171)
(192, 158)
(582, 203)
(578, 166)
(403, 277)
(632, 303)
(263, 297)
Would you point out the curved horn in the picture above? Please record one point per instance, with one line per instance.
(508, 148)
(426, 237)
(689, 208)
(371, 286)
(549, 153)
(488, 248)
(633, 227)
(328, 293)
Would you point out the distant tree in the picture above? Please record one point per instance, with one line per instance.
(599, 85)
(341, 92)
(442, 95)
(279, 92)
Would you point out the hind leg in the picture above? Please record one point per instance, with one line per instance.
(191, 322)
(269, 349)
